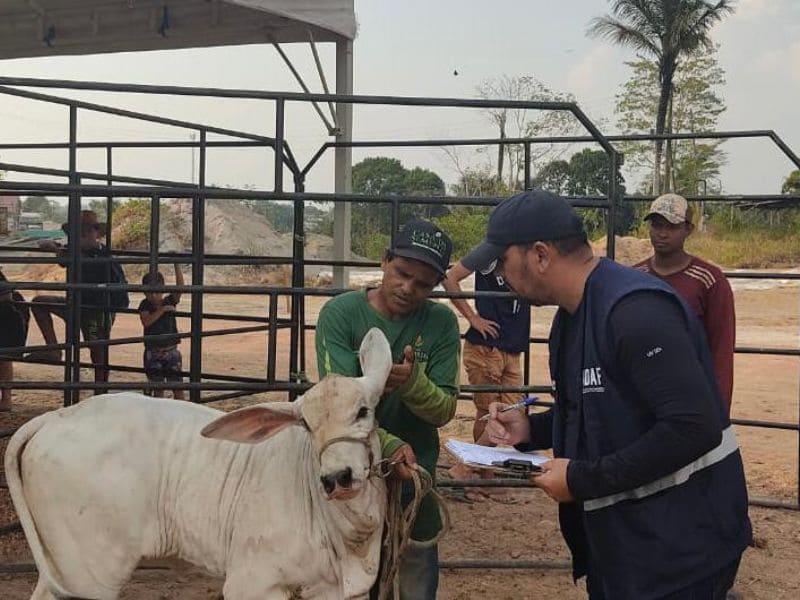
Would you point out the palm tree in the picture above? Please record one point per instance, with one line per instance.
(666, 30)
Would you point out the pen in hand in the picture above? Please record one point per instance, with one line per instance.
(524, 403)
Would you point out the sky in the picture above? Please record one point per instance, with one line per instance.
(412, 48)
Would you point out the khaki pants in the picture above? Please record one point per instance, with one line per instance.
(491, 366)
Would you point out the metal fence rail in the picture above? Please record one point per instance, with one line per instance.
(80, 184)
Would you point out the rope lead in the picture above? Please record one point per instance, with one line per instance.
(397, 532)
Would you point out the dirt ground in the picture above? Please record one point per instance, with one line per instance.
(518, 524)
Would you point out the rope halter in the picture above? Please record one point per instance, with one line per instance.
(382, 468)
(373, 468)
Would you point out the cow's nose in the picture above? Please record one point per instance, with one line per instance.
(345, 478)
(328, 483)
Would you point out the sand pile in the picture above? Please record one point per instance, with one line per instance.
(43, 274)
(231, 229)
(628, 250)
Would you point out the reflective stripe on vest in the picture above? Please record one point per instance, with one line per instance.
(727, 446)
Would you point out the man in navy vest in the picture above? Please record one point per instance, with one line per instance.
(647, 471)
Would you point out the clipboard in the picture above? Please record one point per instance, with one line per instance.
(506, 462)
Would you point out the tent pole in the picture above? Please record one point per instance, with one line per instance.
(303, 85)
(343, 162)
(321, 72)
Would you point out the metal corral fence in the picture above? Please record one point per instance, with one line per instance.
(203, 386)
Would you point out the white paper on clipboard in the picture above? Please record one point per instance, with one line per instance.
(486, 455)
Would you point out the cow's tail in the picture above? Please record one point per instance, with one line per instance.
(13, 459)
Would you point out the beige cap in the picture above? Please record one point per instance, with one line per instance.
(673, 207)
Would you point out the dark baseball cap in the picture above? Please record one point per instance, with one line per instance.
(425, 242)
(532, 216)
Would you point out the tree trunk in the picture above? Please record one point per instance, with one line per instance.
(669, 182)
(661, 117)
(501, 149)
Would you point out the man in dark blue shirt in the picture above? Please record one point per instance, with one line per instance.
(647, 470)
(499, 332)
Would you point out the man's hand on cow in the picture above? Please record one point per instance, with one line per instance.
(553, 480)
(404, 461)
(507, 428)
(401, 372)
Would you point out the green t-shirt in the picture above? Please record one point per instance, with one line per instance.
(413, 412)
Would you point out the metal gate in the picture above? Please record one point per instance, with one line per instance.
(204, 386)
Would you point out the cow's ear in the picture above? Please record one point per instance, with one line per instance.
(254, 424)
(375, 357)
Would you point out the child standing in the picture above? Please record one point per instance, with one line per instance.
(162, 359)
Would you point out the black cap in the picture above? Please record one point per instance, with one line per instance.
(425, 242)
(533, 216)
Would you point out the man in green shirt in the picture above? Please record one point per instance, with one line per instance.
(421, 390)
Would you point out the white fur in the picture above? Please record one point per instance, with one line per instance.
(119, 477)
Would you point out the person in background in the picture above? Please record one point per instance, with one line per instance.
(14, 319)
(499, 332)
(98, 306)
(162, 358)
(701, 284)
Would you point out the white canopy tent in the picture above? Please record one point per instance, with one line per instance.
(32, 28)
(55, 27)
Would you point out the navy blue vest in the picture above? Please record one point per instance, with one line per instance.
(644, 544)
(512, 315)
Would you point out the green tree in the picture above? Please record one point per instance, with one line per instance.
(280, 214)
(792, 184)
(479, 182)
(384, 176)
(422, 182)
(587, 174)
(667, 31)
(554, 177)
(696, 107)
(466, 225)
(590, 176)
(379, 175)
(132, 224)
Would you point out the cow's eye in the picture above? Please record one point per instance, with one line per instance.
(363, 413)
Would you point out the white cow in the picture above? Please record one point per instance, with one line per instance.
(119, 477)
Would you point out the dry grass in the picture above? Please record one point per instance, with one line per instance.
(747, 250)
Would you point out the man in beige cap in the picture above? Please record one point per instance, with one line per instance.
(701, 284)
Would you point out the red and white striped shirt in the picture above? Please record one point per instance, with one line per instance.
(707, 292)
